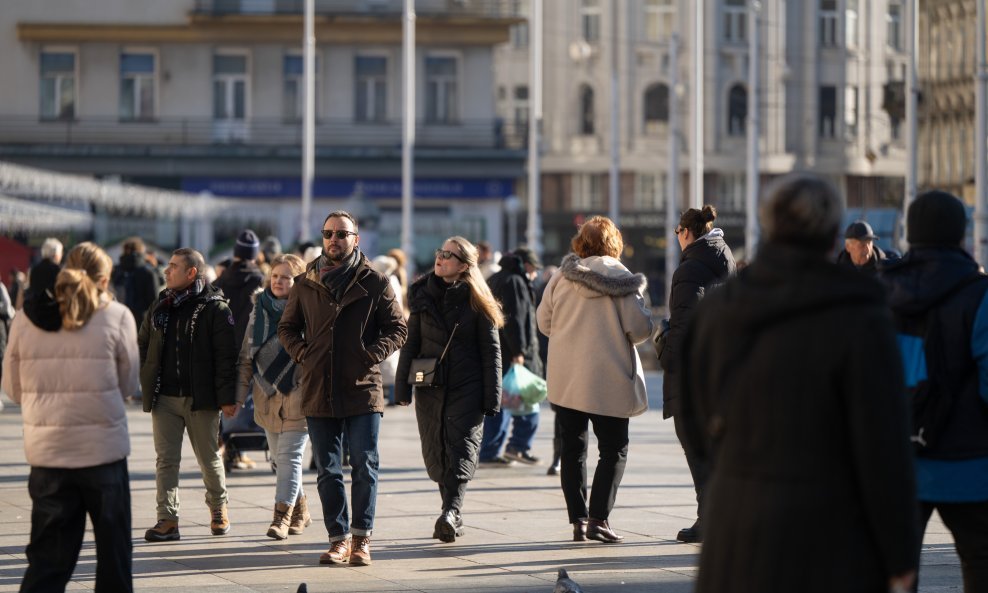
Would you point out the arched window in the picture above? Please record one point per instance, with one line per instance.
(656, 107)
(586, 110)
(737, 110)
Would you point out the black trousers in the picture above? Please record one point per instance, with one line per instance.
(698, 469)
(61, 498)
(612, 445)
(453, 492)
(968, 523)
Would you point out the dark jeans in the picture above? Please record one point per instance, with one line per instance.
(496, 432)
(61, 498)
(612, 445)
(698, 469)
(968, 522)
(327, 439)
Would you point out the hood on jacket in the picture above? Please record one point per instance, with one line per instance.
(925, 275)
(712, 251)
(511, 264)
(131, 260)
(599, 276)
(784, 282)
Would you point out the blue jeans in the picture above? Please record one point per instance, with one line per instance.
(327, 449)
(61, 499)
(287, 449)
(496, 432)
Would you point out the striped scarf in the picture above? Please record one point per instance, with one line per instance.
(274, 370)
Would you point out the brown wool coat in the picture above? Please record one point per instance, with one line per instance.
(339, 345)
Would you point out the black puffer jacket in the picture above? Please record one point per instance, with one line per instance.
(239, 283)
(450, 416)
(705, 262)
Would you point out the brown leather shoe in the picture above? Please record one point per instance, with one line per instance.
(360, 556)
(338, 553)
(580, 530)
(300, 516)
(220, 523)
(602, 532)
(163, 531)
(280, 522)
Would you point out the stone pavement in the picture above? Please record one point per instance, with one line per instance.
(516, 539)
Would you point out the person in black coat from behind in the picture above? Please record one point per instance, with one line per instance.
(452, 305)
(706, 262)
(792, 392)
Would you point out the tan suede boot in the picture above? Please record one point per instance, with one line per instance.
(300, 516)
(280, 522)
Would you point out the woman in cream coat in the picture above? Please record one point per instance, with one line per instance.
(71, 384)
(593, 310)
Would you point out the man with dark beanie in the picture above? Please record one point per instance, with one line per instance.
(938, 297)
(240, 281)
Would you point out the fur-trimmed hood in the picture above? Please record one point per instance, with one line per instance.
(598, 276)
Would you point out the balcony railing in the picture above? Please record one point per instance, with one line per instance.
(466, 8)
(200, 131)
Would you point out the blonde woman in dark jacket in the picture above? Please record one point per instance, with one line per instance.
(453, 306)
(277, 401)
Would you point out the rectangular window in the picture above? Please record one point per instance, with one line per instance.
(660, 17)
(828, 23)
(851, 23)
(893, 20)
(651, 191)
(230, 87)
(441, 90)
(735, 21)
(137, 81)
(293, 90)
(519, 33)
(732, 190)
(588, 192)
(521, 111)
(371, 98)
(57, 85)
(828, 112)
(851, 112)
(590, 21)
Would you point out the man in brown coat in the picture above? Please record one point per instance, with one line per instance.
(341, 321)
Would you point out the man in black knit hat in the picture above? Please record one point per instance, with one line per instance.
(938, 296)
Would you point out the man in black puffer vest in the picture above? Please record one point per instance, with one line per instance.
(938, 285)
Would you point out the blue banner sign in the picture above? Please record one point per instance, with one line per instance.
(344, 187)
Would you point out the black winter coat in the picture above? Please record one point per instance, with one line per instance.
(520, 334)
(877, 260)
(213, 357)
(450, 416)
(135, 284)
(705, 262)
(239, 283)
(804, 427)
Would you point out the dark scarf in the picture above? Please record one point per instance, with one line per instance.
(273, 367)
(337, 276)
(173, 299)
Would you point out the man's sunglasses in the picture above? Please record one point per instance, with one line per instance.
(446, 254)
(341, 235)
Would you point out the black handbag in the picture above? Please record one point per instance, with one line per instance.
(422, 372)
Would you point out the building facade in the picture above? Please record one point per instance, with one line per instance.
(823, 69)
(205, 96)
(946, 112)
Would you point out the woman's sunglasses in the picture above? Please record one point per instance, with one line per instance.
(340, 235)
(446, 254)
